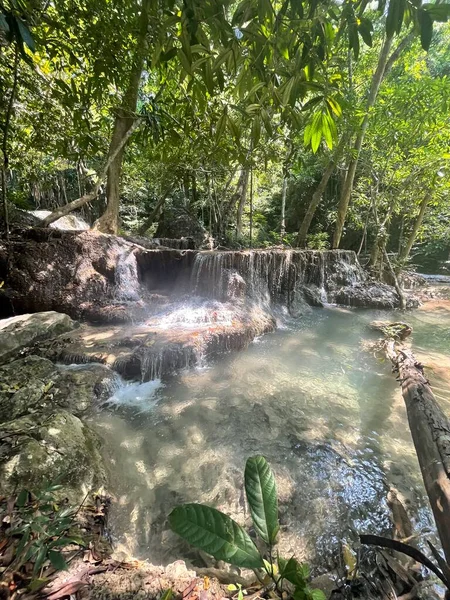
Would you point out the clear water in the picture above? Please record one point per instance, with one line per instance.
(327, 415)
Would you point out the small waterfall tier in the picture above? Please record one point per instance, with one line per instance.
(288, 277)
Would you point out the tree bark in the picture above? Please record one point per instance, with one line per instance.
(283, 206)
(317, 196)
(5, 143)
(430, 430)
(404, 253)
(71, 206)
(385, 64)
(242, 191)
(125, 117)
(151, 219)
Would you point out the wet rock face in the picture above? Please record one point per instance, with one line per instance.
(22, 331)
(183, 336)
(87, 275)
(289, 277)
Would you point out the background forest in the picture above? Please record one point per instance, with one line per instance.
(312, 123)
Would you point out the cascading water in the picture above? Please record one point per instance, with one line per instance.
(275, 276)
(126, 277)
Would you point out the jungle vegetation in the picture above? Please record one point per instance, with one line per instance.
(309, 123)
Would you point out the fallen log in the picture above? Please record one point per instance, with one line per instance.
(429, 425)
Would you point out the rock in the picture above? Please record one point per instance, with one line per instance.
(88, 275)
(367, 295)
(34, 385)
(17, 333)
(25, 386)
(79, 387)
(37, 451)
(179, 223)
(312, 296)
(70, 222)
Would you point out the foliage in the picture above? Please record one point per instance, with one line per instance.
(40, 527)
(217, 534)
(230, 86)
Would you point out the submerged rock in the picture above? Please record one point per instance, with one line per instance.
(17, 333)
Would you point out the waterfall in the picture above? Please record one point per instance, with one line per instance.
(273, 276)
(126, 277)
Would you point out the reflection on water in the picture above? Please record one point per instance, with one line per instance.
(327, 415)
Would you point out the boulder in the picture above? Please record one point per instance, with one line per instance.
(42, 436)
(35, 386)
(23, 331)
(37, 450)
(179, 223)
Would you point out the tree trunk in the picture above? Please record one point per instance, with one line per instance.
(125, 117)
(65, 210)
(348, 185)
(5, 144)
(317, 196)
(430, 430)
(151, 219)
(242, 191)
(283, 206)
(404, 254)
(384, 65)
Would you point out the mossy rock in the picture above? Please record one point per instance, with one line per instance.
(60, 445)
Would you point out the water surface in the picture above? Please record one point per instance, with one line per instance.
(325, 412)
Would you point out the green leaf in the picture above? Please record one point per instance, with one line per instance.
(57, 560)
(365, 29)
(234, 128)
(25, 35)
(394, 19)
(168, 55)
(438, 12)
(37, 584)
(316, 132)
(297, 7)
(40, 559)
(167, 595)
(22, 498)
(261, 492)
(256, 131)
(293, 571)
(334, 106)
(3, 23)
(221, 124)
(317, 595)
(215, 533)
(426, 28)
(185, 62)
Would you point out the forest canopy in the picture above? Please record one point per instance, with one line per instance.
(310, 123)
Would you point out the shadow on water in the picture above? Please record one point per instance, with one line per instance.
(327, 415)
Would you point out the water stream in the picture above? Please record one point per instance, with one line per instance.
(327, 415)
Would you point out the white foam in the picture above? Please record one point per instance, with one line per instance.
(136, 395)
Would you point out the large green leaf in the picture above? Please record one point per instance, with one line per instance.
(25, 35)
(261, 493)
(426, 28)
(215, 533)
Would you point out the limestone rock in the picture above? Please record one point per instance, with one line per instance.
(34, 385)
(17, 333)
(37, 451)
